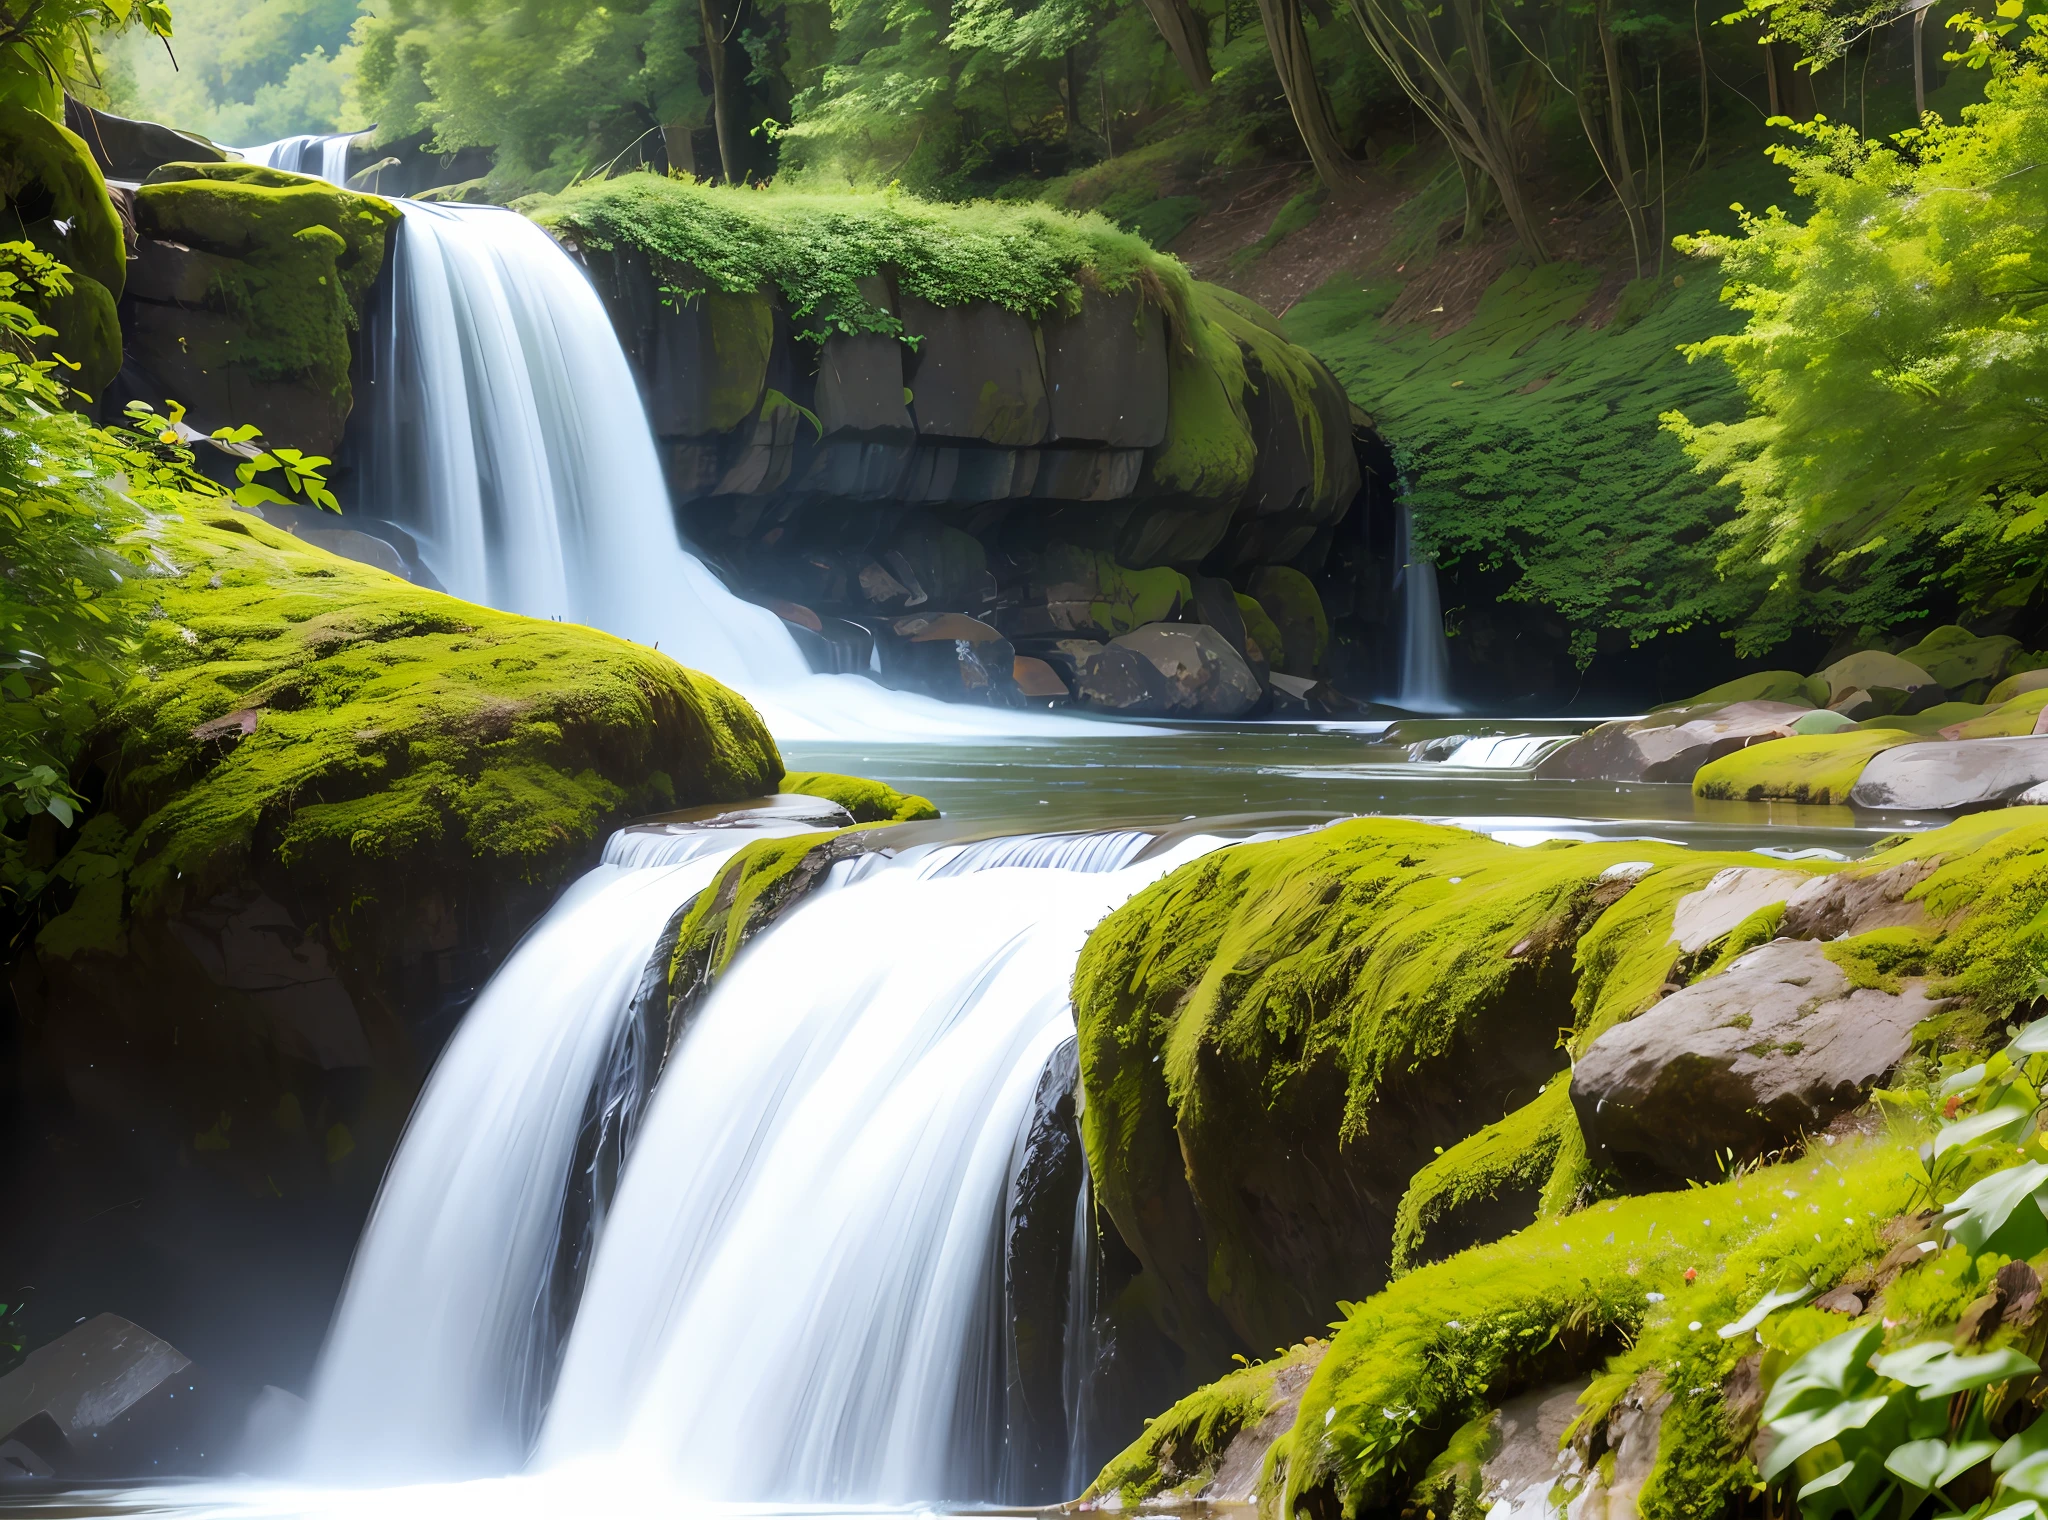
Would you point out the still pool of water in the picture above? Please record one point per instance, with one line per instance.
(1316, 773)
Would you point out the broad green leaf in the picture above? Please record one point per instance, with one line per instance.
(1919, 1463)
(1799, 1434)
(1963, 1456)
(1984, 1209)
(2027, 1443)
(2031, 1041)
(1834, 1368)
(2003, 1124)
(2029, 1477)
(1834, 1477)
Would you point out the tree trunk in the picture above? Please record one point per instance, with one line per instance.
(1186, 38)
(1342, 175)
(717, 24)
(1919, 67)
(1626, 187)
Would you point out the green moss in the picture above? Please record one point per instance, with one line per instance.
(1453, 1485)
(2013, 718)
(1929, 722)
(1267, 995)
(1512, 1155)
(1159, 222)
(1281, 364)
(817, 247)
(1761, 686)
(307, 253)
(867, 801)
(1809, 768)
(1290, 599)
(232, 172)
(1180, 1449)
(39, 155)
(1960, 660)
(1414, 1363)
(1261, 628)
(1208, 452)
(387, 726)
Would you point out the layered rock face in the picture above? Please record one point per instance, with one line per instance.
(1064, 482)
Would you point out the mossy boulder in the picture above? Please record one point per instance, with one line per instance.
(2017, 715)
(1208, 454)
(1892, 683)
(269, 339)
(1760, 686)
(1809, 768)
(52, 194)
(1275, 1038)
(1261, 629)
(332, 801)
(1291, 601)
(2017, 685)
(1086, 593)
(1965, 664)
(866, 801)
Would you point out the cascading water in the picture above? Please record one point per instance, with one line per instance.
(507, 434)
(322, 155)
(1425, 653)
(789, 1297)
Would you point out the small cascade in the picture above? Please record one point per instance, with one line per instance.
(1425, 653)
(323, 155)
(1081, 1345)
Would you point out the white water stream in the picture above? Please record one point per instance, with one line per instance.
(507, 434)
(789, 1297)
(322, 155)
(1425, 654)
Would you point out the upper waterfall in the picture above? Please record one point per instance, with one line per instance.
(1425, 654)
(506, 432)
(323, 155)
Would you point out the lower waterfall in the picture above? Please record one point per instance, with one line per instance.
(1425, 653)
(797, 1288)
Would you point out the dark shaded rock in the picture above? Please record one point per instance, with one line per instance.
(129, 149)
(1776, 1045)
(701, 352)
(1038, 680)
(1669, 746)
(1105, 371)
(1216, 607)
(1851, 902)
(1119, 680)
(1290, 600)
(860, 380)
(1207, 678)
(947, 567)
(110, 1399)
(1955, 776)
(976, 374)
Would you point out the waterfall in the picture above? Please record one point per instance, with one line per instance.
(1425, 653)
(789, 1294)
(322, 155)
(505, 431)
(1082, 1343)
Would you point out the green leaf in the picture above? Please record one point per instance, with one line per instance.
(1799, 1434)
(1833, 1478)
(1764, 1308)
(1831, 1370)
(1919, 1463)
(2029, 1442)
(1983, 1211)
(1963, 1456)
(2002, 1125)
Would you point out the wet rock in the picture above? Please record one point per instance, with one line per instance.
(1216, 607)
(1855, 705)
(1760, 686)
(1955, 776)
(702, 358)
(1852, 902)
(1037, 680)
(108, 1399)
(1669, 746)
(1894, 685)
(976, 374)
(1205, 676)
(129, 149)
(1777, 1044)
(860, 379)
(1114, 679)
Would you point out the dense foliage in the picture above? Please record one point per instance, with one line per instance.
(1894, 363)
(245, 71)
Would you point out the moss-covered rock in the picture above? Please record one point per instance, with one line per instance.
(271, 342)
(1208, 453)
(1966, 665)
(52, 194)
(1261, 629)
(1809, 768)
(332, 801)
(2018, 684)
(1760, 686)
(1290, 600)
(867, 801)
(2016, 715)
(1275, 1038)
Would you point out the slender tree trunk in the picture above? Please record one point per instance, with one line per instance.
(1186, 38)
(1771, 77)
(1341, 174)
(717, 24)
(1626, 187)
(1700, 42)
(1919, 67)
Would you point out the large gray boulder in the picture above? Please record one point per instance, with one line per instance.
(1105, 371)
(1776, 1045)
(1955, 776)
(1893, 685)
(1671, 745)
(1113, 679)
(109, 1399)
(1205, 677)
(976, 374)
